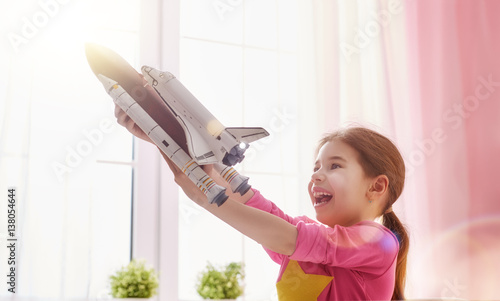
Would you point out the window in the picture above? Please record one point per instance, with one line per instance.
(239, 58)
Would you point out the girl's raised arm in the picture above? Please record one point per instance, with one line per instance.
(268, 230)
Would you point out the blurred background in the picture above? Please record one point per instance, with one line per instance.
(90, 197)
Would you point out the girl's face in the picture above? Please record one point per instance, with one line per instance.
(339, 186)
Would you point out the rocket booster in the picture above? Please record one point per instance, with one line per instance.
(238, 183)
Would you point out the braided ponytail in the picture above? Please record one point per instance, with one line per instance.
(392, 222)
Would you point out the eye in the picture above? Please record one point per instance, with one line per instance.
(315, 169)
(334, 166)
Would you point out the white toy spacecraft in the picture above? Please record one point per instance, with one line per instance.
(176, 121)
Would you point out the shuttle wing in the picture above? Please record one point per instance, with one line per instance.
(247, 134)
(198, 147)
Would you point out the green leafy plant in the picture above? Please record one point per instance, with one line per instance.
(222, 283)
(134, 281)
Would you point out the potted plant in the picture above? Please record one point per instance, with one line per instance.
(134, 281)
(221, 283)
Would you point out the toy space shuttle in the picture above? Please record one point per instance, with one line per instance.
(181, 127)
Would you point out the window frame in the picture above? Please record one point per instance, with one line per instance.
(155, 208)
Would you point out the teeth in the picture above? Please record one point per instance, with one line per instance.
(320, 194)
(321, 197)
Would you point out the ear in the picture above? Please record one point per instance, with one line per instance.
(379, 186)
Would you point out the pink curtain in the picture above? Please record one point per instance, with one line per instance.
(434, 89)
(454, 55)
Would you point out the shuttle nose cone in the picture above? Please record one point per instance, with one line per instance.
(104, 61)
(92, 52)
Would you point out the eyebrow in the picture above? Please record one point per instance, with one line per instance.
(333, 158)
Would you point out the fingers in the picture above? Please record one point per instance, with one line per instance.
(175, 169)
(121, 116)
(178, 174)
(208, 168)
(185, 183)
(118, 111)
(131, 126)
(124, 120)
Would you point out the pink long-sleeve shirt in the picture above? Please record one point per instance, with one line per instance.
(334, 263)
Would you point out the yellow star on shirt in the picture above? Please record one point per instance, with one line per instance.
(299, 286)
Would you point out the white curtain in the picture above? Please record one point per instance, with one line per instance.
(60, 149)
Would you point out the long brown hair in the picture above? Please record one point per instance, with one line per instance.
(379, 156)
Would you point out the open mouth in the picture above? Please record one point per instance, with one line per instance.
(321, 198)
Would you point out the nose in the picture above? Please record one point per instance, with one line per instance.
(317, 176)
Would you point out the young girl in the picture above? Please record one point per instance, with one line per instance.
(357, 176)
